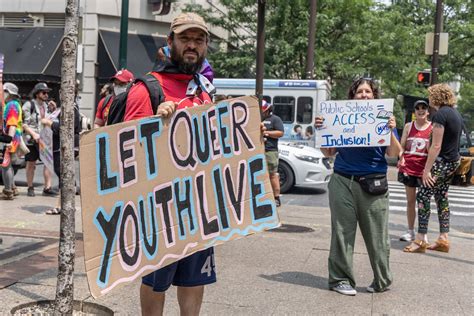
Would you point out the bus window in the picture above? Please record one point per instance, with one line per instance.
(304, 110)
(284, 107)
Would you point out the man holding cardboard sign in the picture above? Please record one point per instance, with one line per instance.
(178, 76)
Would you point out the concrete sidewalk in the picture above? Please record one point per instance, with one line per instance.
(279, 272)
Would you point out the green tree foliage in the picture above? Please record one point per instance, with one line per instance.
(353, 39)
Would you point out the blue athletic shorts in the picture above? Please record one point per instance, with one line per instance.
(197, 269)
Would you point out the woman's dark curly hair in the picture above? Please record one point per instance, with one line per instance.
(353, 89)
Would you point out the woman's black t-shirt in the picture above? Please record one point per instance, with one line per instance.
(450, 118)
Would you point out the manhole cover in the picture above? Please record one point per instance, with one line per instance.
(288, 228)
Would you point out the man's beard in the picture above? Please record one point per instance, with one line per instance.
(186, 67)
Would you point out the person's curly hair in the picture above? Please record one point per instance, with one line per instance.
(353, 89)
(441, 95)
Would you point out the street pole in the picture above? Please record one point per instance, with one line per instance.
(123, 35)
(260, 50)
(309, 71)
(437, 32)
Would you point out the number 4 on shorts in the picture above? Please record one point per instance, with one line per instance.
(208, 265)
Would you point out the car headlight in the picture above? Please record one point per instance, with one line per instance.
(307, 158)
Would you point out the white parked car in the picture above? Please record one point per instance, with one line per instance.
(301, 165)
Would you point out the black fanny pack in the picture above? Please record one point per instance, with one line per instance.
(374, 184)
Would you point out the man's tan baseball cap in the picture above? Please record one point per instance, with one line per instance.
(186, 21)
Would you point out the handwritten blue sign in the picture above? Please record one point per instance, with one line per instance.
(354, 123)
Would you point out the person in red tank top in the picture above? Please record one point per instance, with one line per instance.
(415, 143)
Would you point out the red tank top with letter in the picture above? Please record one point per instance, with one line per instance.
(416, 150)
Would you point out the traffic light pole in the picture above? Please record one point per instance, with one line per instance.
(437, 32)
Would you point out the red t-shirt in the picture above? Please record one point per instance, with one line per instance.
(174, 88)
(102, 113)
(416, 150)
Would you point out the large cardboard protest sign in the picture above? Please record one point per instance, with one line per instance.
(157, 190)
(354, 123)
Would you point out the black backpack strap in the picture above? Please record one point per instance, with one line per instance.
(117, 108)
(155, 90)
(106, 101)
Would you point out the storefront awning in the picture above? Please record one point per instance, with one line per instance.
(141, 53)
(31, 54)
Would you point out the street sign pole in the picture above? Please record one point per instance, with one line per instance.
(435, 56)
(123, 35)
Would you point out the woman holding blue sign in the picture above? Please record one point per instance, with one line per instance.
(358, 193)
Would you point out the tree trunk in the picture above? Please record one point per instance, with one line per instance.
(65, 284)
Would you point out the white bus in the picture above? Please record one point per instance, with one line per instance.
(294, 101)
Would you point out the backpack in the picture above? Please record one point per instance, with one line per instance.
(117, 108)
(106, 101)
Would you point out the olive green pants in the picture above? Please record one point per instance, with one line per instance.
(350, 205)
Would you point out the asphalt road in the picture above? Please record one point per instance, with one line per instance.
(461, 203)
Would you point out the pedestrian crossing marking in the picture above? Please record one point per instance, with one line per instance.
(461, 199)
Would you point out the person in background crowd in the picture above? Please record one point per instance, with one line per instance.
(274, 129)
(120, 82)
(351, 204)
(441, 164)
(33, 111)
(53, 121)
(188, 42)
(12, 126)
(415, 142)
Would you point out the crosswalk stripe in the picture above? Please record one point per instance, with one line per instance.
(403, 209)
(460, 198)
(458, 189)
(450, 193)
(433, 204)
(450, 197)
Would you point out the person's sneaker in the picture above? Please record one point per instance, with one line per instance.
(31, 191)
(7, 195)
(49, 192)
(408, 236)
(345, 289)
(371, 289)
(277, 201)
(15, 191)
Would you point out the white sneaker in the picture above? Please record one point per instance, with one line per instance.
(408, 236)
(345, 289)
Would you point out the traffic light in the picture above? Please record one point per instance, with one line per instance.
(423, 77)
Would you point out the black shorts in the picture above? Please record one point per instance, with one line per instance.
(409, 181)
(197, 269)
(33, 155)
